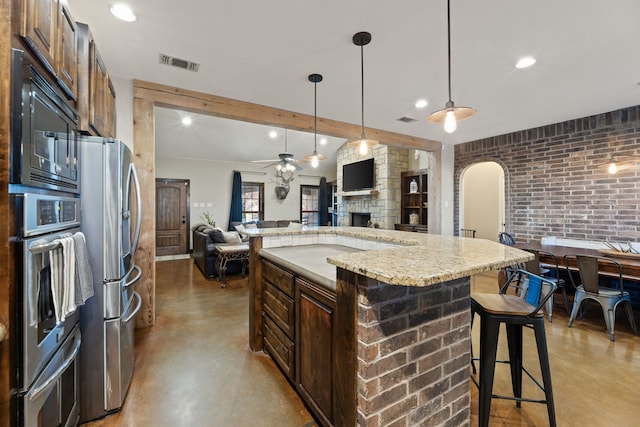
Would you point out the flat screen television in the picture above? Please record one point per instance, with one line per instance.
(358, 175)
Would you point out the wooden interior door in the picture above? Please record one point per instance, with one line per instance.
(172, 216)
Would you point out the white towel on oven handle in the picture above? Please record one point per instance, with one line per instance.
(84, 276)
(63, 278)
(69, 294)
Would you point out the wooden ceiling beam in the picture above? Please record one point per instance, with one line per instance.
(213, 105)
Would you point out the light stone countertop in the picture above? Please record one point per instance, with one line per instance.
(309, 261)
(425, 259)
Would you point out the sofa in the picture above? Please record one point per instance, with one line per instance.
(206, 238)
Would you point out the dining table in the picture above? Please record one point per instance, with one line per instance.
(630, 263)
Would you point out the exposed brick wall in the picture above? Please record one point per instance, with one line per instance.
(413, 354)
(556, 177)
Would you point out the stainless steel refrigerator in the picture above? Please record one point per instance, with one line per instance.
(110, 218)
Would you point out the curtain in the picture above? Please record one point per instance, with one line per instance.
(323, 206)
(235, 214)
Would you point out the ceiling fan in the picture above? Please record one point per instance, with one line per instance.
(286, 161)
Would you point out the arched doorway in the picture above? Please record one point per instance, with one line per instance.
(482, 199)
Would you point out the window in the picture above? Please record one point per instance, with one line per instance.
(252, 201)
(309, 204)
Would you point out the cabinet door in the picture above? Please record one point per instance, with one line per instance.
(314, 348)
(110, 110)
(67, 69)
(98, 91)
(39, 29)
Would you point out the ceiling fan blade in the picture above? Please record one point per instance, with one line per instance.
(265, 161)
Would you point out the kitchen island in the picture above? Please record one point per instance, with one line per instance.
(389, 341)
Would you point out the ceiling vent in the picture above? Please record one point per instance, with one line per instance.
(406, 119)
(179, 63)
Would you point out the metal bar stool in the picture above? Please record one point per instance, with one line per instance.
(524, 308)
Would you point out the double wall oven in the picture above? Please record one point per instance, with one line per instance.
(44, 193)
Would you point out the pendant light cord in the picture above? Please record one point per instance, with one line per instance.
(315, 117)
(449, 45)
(362, 86)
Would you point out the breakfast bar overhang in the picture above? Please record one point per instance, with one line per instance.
(392, 337)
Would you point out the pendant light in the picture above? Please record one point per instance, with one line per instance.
(314, 158)
(450, 114)
(361, 39)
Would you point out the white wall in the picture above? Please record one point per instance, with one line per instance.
(124, 109)
(481, 202)
(211, 188)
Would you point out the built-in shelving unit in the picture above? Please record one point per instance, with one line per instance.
(414, 200)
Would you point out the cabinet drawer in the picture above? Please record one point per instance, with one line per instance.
(278, 277)
(278, 346)
(279, 307)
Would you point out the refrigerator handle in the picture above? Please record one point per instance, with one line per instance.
(137, 309)
(134, 174)
(135, 279)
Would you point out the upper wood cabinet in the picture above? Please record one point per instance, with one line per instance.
(67, 64)
(49, 30)
(97, 101)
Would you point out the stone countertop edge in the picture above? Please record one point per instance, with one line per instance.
(426, 259)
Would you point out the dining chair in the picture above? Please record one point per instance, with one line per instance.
(545, 270)
(516, 309)
(609, 298)
(504, 273)
(506, 239)
(467, 232)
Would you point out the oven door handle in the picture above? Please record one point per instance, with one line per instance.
(136, 310)
(47, 247)
(35, 393)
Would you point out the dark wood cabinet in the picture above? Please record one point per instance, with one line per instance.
(278, 327)
(67, 64)
(39, 29)
(97, 103)
(414, 206)
(298, 334)
(315, 308)
(49, 30)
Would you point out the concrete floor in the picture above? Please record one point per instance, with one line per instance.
(194, 368)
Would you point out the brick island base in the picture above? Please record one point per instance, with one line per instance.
(403, 353)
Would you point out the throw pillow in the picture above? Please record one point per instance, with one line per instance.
(252, 225)
(216, 236)
(232, 237)
(295, 226)
(239, 227)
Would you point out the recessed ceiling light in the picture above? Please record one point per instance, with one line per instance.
(421, 103)
(323, 141)
(186, 120)
(123, 12)
(525, 62)
(273, 134)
